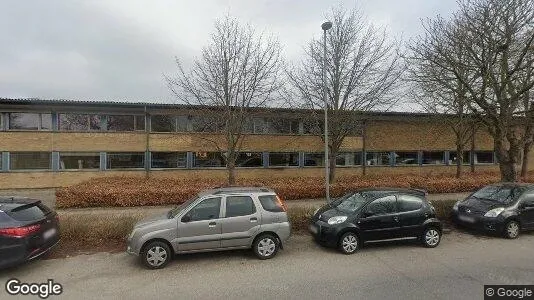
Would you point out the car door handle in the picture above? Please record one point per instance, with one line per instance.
(253, 220)
(212, 224)
(396, 218)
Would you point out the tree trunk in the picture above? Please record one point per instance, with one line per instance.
(332, 165)
(459, 159)
(506, 161)
(231, 173)
(524, 163)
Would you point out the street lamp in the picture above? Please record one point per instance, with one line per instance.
(325, 26)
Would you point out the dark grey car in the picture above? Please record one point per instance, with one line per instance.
(218, 219)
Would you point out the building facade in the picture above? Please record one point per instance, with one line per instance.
(53, 143)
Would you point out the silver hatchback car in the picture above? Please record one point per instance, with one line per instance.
(217, 219)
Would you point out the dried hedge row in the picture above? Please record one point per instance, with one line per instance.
(136, 191)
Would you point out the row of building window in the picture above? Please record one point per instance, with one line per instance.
(158, 123)
(173, 160)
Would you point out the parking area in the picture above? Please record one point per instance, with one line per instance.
(458, 268)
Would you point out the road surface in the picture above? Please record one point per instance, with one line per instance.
(457, 269)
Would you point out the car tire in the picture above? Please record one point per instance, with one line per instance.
(349, 243)
(511, 230)
(431, 237)
(265, 246)
(156, 255)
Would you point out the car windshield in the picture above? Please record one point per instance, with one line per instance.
(350, 202)
(502, 194)
(173, 212)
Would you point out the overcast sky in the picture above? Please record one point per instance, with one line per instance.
(119, 49)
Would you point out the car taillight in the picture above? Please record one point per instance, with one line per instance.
(281, 203)
(19, 232)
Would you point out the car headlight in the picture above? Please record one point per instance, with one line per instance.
(455, 207)
(494, 212)
(337, 220)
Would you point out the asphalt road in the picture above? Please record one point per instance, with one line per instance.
(457, 269)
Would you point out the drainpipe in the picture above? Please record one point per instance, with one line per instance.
(147, 145)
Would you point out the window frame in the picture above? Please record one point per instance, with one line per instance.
(186, 213)
(170, 168)
(108, 163)
(397, 164)
(225, 215)
(102, 118)
(50, 166)
(279, 166)
(83, 169)
(366, 208)
(399, 201)
(39, 125)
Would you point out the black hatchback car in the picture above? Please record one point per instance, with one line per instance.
(376, 215)
(504, 208)
(28, 229)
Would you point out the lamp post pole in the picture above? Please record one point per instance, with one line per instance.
(325, 26)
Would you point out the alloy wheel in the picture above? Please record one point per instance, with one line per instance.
(266, 247)
(156, 256)
(349, 243)
(432, 237)
(512, 230)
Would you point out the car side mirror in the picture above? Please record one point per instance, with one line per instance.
(186, 218)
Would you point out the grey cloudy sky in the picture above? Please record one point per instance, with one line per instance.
(119, 49)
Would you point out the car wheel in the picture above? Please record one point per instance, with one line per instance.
(431, 237)
(349, 243)
(511, 230)
(156, 255)
(265, 246)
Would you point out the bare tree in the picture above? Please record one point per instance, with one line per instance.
(362, 67)
(488, 47)
(237, 71)
(438, 92)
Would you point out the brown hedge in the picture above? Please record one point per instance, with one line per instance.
(136, 191)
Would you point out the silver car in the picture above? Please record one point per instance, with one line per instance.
(218, 219)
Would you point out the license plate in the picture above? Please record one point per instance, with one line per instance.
(467, 219)
(49, 233)
(313, 229)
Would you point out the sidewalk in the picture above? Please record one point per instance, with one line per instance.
(152, 210)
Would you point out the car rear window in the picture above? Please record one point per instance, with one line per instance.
(409, 203)
(29, 212)
(270, 203)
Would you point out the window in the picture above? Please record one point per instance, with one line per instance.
(125, 123)
(163, 123)
(207, 209)
(30, 160)
(434, 158)
(249, 159)
(484, 157)
(409, 203)
(206, 124)
(313, 126)
(382, 206)
(271, 203)
(168, 160)
(140, 123)
(119, 160)
(33, 212)
(30, 121)
(377, 158)
(313, 159)
(79, 160)
(259, 125)
(453, 157)
(79, 122)
(283, 126)
(239, 206)
(282, 159)
(208, 160)
(349, 159)
(406, 158)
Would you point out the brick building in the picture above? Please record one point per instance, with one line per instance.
(51, 143)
